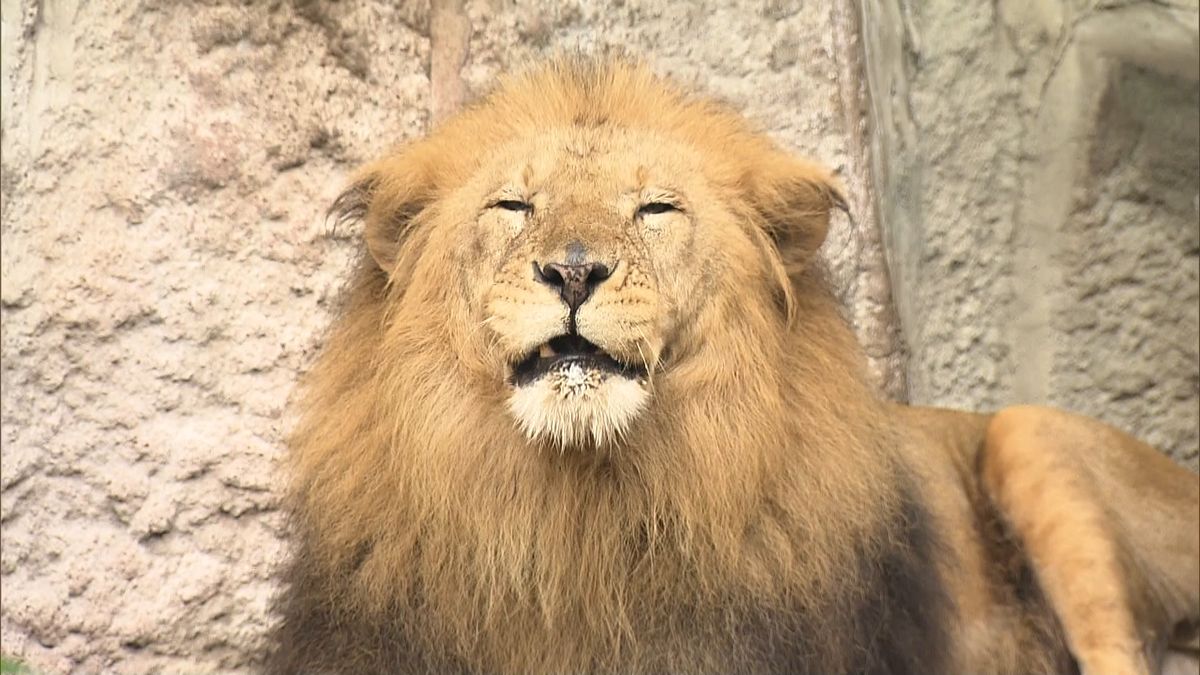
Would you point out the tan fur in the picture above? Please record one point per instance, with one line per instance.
(1070, 486)
(751, 472)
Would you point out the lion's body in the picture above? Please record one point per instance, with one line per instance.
(746, 503)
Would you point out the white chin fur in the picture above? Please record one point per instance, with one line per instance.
(575, 406)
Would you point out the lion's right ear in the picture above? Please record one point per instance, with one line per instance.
(795, 198)
(386, 197)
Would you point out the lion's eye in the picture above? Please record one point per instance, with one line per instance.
(513, 205)
(656, 207)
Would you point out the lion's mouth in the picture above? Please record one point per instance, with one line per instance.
(570, 350)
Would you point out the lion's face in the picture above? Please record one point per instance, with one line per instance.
(592, 260)
(584, 255)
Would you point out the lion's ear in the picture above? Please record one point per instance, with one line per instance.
(386, 197)
(350, 207)
(794, 198)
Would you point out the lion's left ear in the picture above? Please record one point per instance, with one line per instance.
(386, 197)
(794, 199)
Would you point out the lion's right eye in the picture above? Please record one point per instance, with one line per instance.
(654, 208)
(513, 205)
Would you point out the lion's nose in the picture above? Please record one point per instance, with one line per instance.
(575, 283)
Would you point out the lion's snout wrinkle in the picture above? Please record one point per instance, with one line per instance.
(576, 252)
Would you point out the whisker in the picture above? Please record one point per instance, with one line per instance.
(490, 346)
(645, 363)
(481, 324)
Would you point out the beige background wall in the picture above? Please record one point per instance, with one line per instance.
(167, 272)
(1039, 166)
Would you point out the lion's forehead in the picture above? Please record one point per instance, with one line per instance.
(593, 165)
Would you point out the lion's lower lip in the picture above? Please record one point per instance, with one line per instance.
(564, 350)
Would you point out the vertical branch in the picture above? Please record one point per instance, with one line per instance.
(450, 39)
(873, 312)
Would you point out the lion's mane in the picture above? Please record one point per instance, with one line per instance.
(758, 509)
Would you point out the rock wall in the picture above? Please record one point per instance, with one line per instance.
(1038, 165)
(167, 271)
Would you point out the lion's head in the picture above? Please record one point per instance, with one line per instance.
(587, 229)
(589, 386)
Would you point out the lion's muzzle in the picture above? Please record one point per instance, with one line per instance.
(572, 392)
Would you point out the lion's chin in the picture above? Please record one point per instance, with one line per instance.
(575, 406)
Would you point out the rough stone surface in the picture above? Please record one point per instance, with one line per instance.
(167, 272)
(1038, 166)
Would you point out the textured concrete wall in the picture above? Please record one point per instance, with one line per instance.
(167, 272)
(165, 277)
(1039, 167)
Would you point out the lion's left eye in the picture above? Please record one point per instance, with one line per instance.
(513, 205)
(656, 207)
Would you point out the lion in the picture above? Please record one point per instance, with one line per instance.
(591, 405)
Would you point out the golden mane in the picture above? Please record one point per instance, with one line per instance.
(762, 490)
